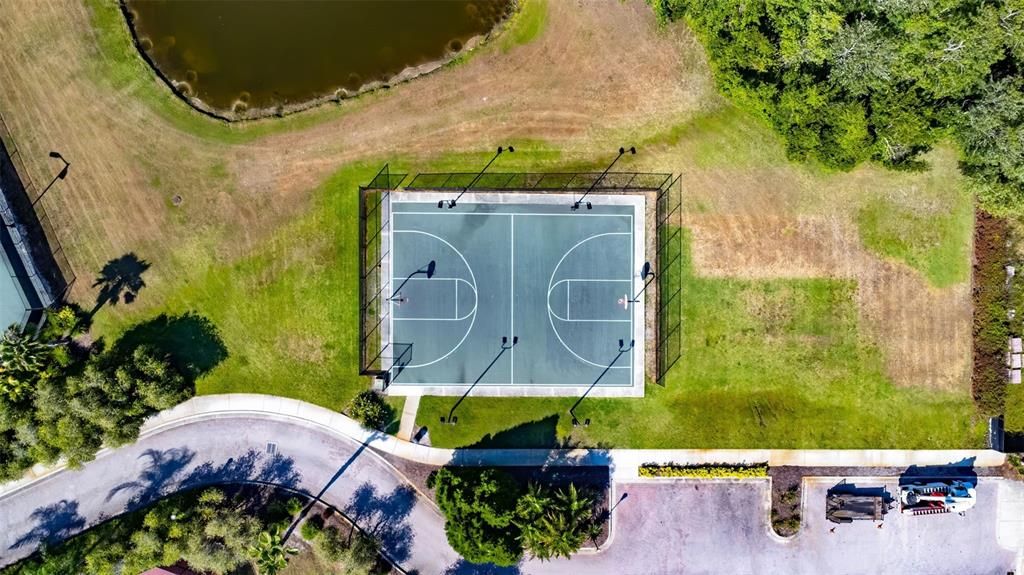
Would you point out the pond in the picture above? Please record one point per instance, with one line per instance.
(251, 57)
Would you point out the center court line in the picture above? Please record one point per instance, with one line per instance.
(512, 301)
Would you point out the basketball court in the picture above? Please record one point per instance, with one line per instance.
(514, 294)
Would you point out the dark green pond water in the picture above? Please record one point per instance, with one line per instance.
(268, 52)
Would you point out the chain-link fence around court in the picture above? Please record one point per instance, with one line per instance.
(33, 253)
(375, 224)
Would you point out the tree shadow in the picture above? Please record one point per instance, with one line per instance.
(542, 433)
(251, 467)
(384, 517)
(166, 474)
(463, 567)
(54, 523)
(158, 478)
(120, 280)
(191, 341)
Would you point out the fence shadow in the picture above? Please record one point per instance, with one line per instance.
(29, 230)
(54, 523)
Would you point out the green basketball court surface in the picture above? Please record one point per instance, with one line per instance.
(514, 294)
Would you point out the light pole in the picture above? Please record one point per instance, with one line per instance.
(60, 176)
(622, 152)
(451, 203)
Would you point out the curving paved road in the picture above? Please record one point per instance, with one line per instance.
(660, 527)
(232, 448)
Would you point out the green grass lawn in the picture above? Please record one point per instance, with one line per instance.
(288, 313)
(932, 234)
(775, 363)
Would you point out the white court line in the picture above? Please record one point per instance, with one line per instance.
(456, 281)
(503, 384)
(472, 277)
(446, 213)
(568, 317)
(512, 300)
(552, 314)
(633, 240)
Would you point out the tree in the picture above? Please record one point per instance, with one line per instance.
(213, 535)
(270, 553)
(23, 360)
(846, 82)
(992, 134)
(479, 507)
(116, 396)
(555, 524)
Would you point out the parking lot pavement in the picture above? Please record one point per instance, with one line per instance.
(683, 527)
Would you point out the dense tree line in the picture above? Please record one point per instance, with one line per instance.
(882, 80)
(60, 401)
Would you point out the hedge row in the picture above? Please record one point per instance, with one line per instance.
(991, 326)
(709, 471)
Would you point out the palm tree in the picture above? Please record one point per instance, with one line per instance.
(270, 552)
(564, 523)
(22, 360)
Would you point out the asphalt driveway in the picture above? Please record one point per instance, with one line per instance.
(684, 527)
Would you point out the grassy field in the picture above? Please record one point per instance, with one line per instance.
(810, 294)
(775, 363)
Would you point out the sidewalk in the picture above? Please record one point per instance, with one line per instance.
(624, 463)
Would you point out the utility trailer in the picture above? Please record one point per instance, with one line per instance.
(850, 507)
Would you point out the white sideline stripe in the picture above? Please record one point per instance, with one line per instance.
(503, 384)
(577, 215)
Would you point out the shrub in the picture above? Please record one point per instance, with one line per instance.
(312, 528)
(370, 409)
(711, 471)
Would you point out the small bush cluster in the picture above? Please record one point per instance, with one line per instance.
(370, 409)
(710, 471)
(787, 526)
(353, 555)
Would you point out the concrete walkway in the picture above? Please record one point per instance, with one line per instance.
(408, 423)
(624, 463)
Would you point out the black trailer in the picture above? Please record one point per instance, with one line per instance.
(847, 507)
